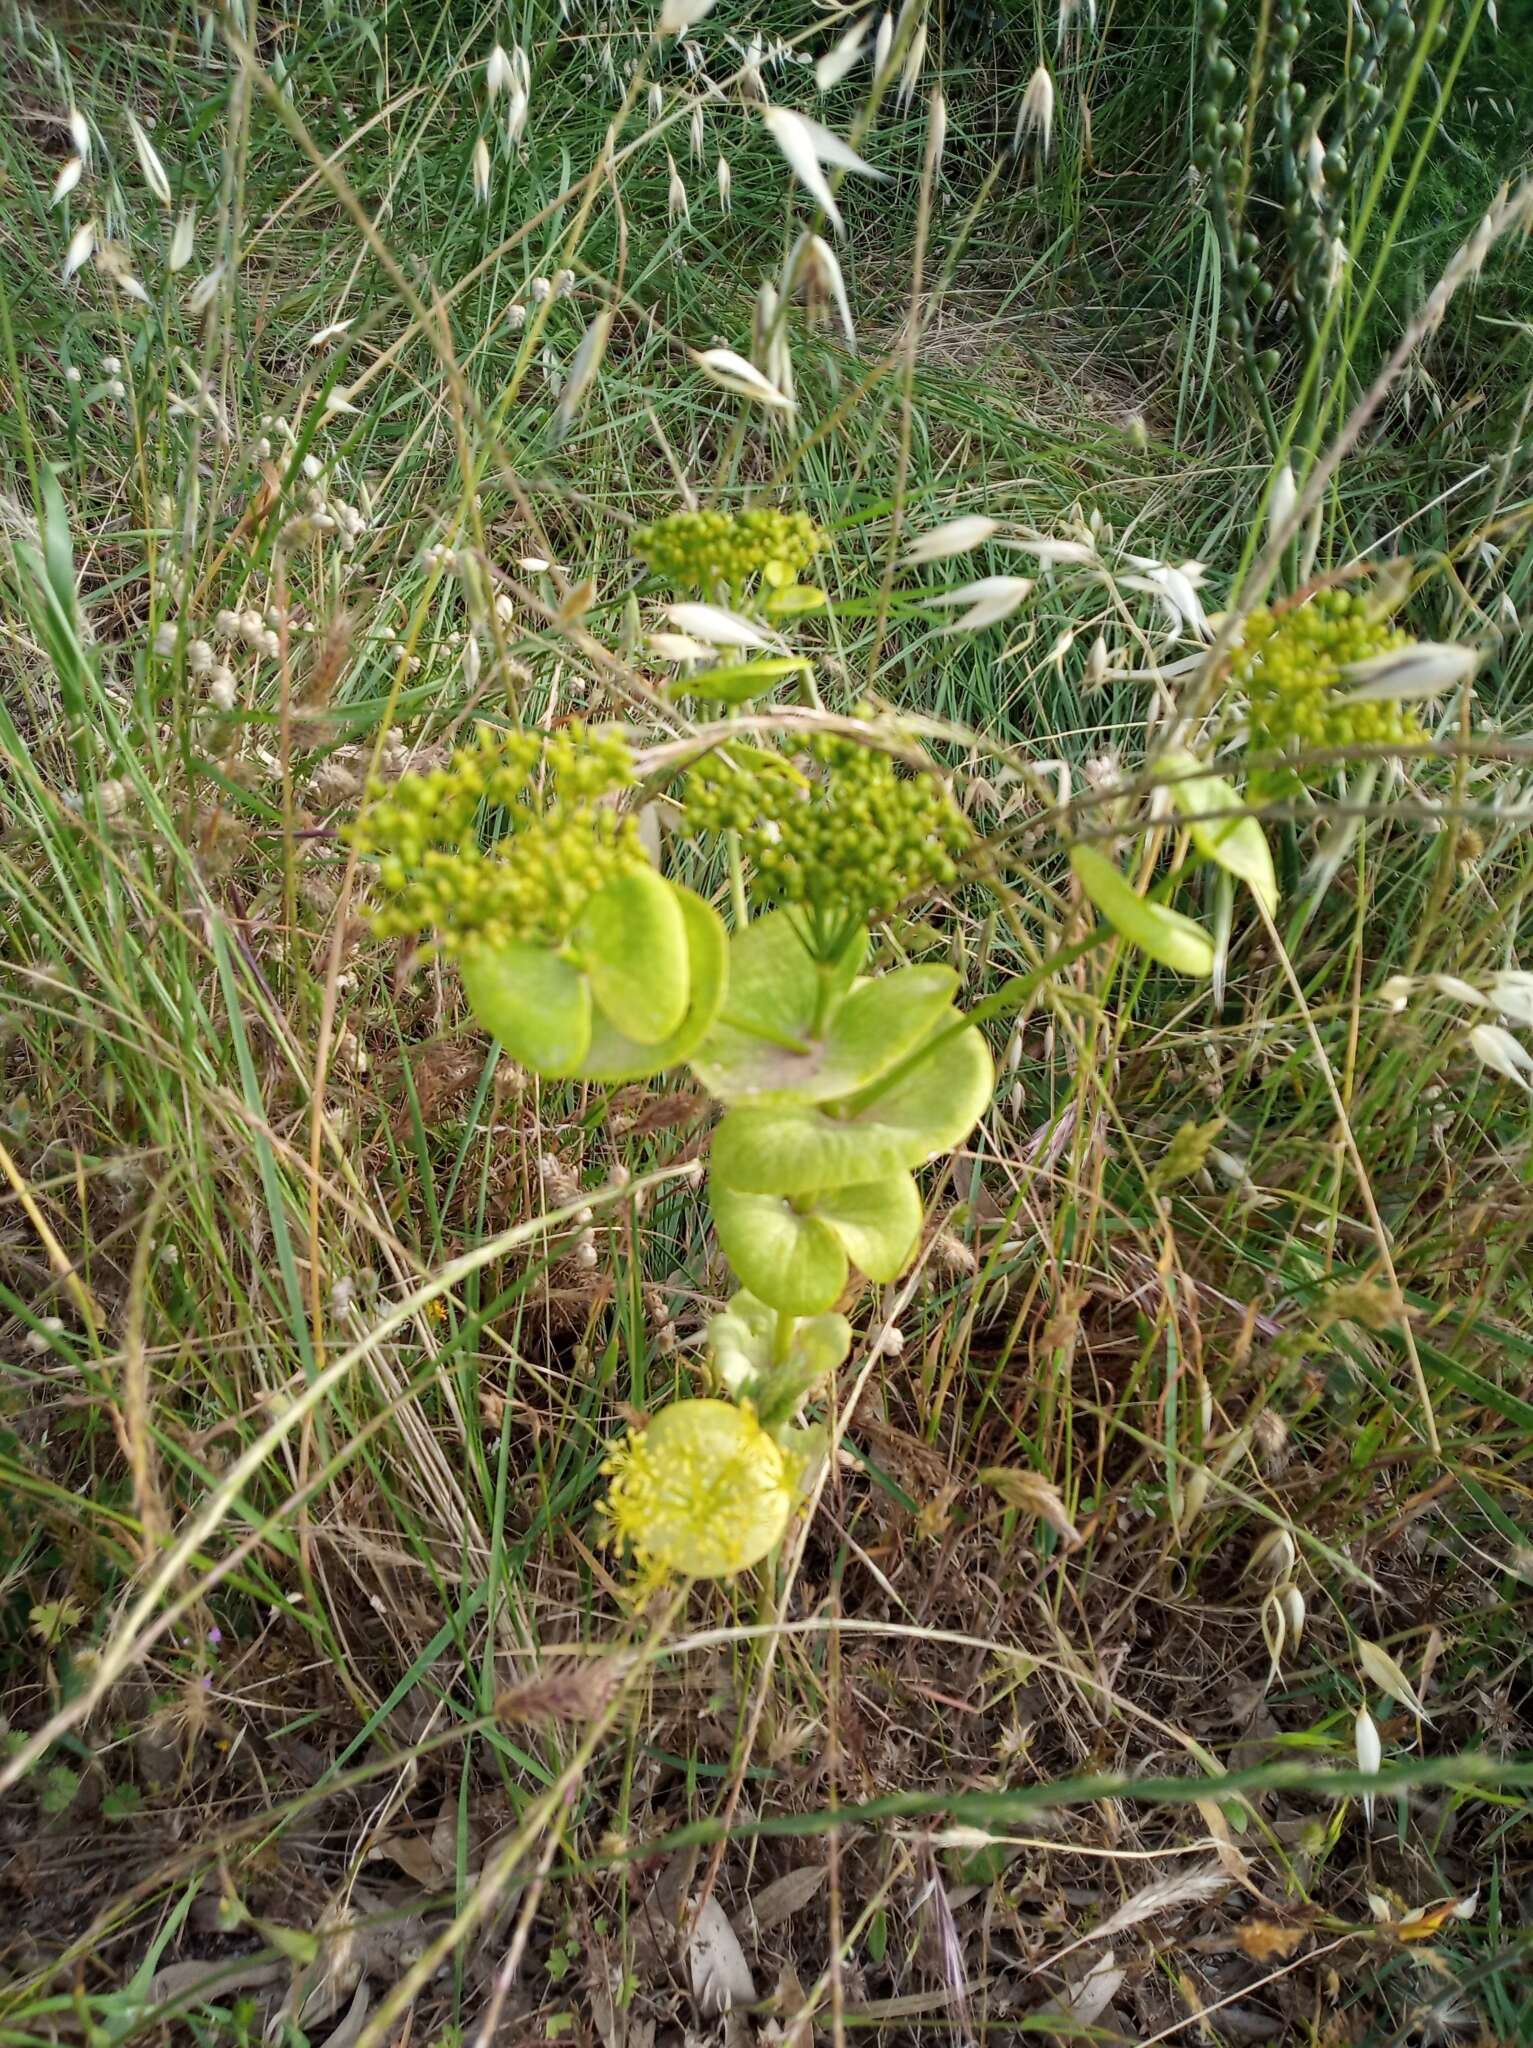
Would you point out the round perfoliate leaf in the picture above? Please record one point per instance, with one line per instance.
(631, 939)
(760, 1047)
(1222, 829)
(614, 1056)
(878, 1223)
(1175, 941)
(791, 1261)
(933, 1103)
(533, 1001)
(799, 1151)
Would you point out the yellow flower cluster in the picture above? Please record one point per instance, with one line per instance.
(724, 550)
(508, 841)
(1290, 669)
(701, 1492)
(859, 835)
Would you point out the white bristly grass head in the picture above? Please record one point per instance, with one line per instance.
(1035, 116)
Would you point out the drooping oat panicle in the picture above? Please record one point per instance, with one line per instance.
(816, 268)
(79, 135)
(676, 207)
(1495, 1047)
(183, 240)
(677, 16)
(883, 43)
(498, 75)
(842, 56)
(1054, 552)
(481, 171)
(829, 147)
(1285, 495)
(953, 537)
(769, 339)
(1511, 992)
(726, 183)
(67, 179)
(910, 71)
(1410, 675)
(735, 374)
(82, 246)
(792, 137)
(1069, 20)
(1035, 116)
(697, 133)
(717, 625)
(582, 371)
(989, 600)
(1370, 1754)
(149, 160)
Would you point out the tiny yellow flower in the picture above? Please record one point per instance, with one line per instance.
(703, 1492)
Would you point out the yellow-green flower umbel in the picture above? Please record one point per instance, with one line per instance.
(574, 952)
(701, 1492)
(713, 551)
(848, 839)
(1291, 667)
(508, 841)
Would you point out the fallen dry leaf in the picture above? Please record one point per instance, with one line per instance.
(779, 1901)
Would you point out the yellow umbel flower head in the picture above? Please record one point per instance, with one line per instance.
(508, 841)
(701, 1492)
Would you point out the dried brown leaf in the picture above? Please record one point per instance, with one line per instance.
(779, 1901)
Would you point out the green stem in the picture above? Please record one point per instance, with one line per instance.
(782, 1342)
(1012, 997)
(737, 880)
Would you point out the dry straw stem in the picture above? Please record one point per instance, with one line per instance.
(140, 1629)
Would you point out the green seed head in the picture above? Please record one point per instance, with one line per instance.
(850, 833)
(506, 842)
(723, 551)
(1289, 669)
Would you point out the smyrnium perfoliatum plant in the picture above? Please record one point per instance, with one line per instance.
(523, 861)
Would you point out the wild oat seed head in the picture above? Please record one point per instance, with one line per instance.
(702, 1492)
